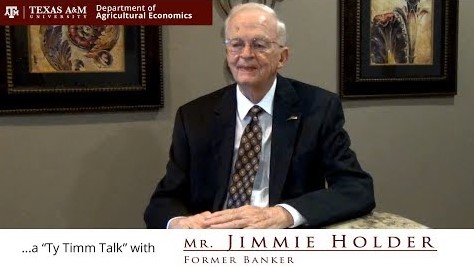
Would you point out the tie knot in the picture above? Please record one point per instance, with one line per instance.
(254, 112)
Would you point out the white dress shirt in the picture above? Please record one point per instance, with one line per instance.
(260, 193)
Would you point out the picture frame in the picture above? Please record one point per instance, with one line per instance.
(403, 48)
(138, 86)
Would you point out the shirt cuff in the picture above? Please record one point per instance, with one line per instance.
(298, 219)
(168, 224)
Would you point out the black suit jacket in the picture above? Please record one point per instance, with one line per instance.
(309, 149)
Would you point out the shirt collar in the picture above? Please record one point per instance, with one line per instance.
(244, 104)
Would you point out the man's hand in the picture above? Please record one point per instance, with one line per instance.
(250, 217)
(197, 221)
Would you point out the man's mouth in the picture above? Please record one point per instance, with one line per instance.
(246, 68)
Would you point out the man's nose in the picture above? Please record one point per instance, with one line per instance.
(247, 51)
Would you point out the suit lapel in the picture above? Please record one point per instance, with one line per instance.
(286, 119)
(223, 144)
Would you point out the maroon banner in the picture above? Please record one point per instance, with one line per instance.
(102, 12)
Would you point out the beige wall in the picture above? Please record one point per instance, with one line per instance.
(98, 170)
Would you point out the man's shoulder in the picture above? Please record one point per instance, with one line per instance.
(210, 100)
(311, 92)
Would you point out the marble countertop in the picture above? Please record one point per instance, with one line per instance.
(379, 220)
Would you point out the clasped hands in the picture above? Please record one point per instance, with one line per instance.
(245, 217)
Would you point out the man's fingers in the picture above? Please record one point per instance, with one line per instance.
(222, 216)
(205, 213)
(234, 224)
(230, 219)
(196, 221)
(249, 217)
(221, 213)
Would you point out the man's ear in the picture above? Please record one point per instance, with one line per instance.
(283, 57)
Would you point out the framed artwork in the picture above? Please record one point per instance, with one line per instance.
(80, 68)
(398, 48)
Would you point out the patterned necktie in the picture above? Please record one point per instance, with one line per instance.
(246, 165)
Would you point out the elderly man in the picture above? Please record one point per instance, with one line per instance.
(266, 152)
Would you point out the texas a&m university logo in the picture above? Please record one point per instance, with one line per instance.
(11, 11)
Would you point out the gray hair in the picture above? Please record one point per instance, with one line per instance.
(281, 27)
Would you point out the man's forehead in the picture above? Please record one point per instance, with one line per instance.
(252, 19)
(254, 15)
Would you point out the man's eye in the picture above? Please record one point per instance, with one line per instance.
(259, 45)
(236, 45)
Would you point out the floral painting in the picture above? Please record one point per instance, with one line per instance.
(401, 32)
(76, 48)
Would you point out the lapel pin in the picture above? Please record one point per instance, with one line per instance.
(292, 118)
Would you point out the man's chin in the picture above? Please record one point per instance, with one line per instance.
(246, 81)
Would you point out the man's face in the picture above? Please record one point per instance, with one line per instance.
(252, 68)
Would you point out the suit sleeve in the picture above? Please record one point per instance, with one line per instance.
(349, 193)
(170, 198)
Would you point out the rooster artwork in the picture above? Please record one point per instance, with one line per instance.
(72, 48)
(401, 32)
